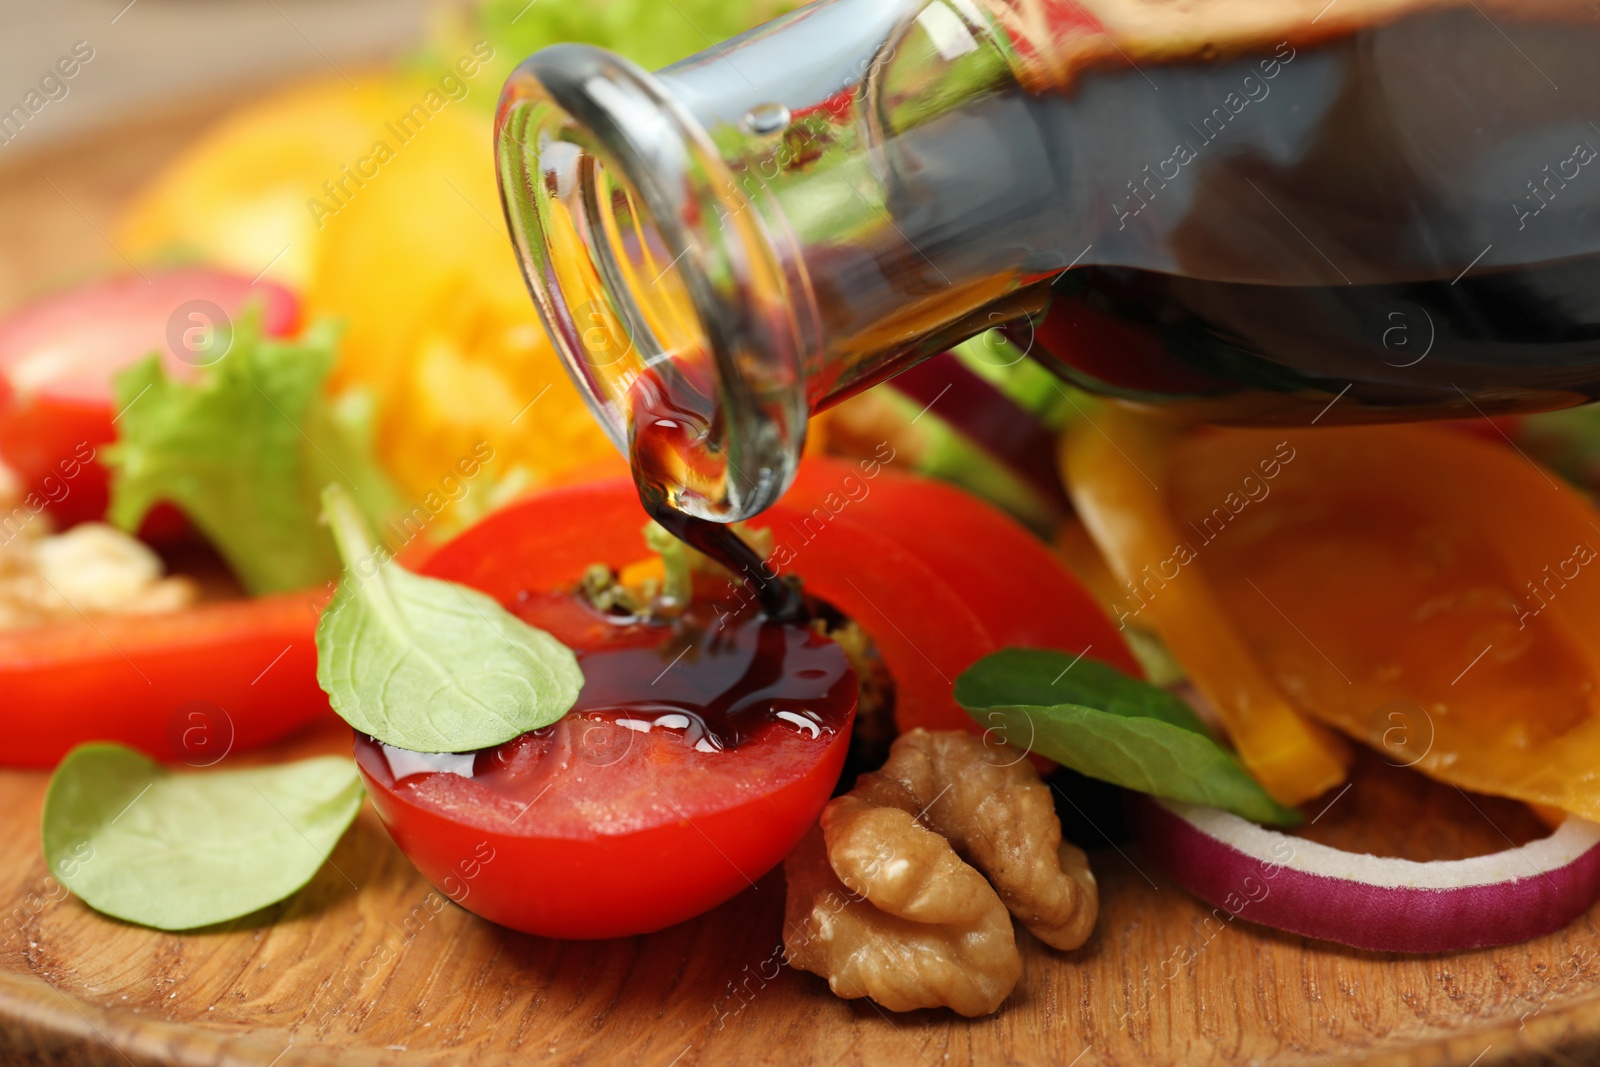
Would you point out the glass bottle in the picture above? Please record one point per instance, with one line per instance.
(1388, 209)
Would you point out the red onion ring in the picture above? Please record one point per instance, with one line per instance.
(1373, 902)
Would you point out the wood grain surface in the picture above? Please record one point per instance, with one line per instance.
(367, 965)
(59, 205)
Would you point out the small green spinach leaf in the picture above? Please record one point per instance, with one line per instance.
(430, 665)
(1091, 717)
(178, 851)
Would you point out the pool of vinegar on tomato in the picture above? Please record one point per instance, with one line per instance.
(674, 717)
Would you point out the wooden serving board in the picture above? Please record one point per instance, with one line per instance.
(367, 965)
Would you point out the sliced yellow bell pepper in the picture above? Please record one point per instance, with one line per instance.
(1117, 471)
(1428, 592)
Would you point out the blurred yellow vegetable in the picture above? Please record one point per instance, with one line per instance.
(237, 196)
(379, 204)
(440, 325)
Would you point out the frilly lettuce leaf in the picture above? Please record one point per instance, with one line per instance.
(244, 451)
(649, 32)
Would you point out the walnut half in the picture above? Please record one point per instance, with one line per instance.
(885, 898)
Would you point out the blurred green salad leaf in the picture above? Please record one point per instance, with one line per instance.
(1026, 382)
(243, 450)
(649, 32)
(178, 851)
(429, 665)
(1568, 442)
(1093, 718)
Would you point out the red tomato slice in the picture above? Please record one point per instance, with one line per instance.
(631, 849)
(184, 686)
(1017, 590)
(58, 355)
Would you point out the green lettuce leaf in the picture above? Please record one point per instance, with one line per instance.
(1093, 718)
(1568, 442)
(178, 851)
(243, 451)
(651, 33)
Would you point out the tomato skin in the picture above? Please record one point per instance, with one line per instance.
(131, 679)
(51, 417)
(1016, 591)
(605, 885)
(545, 541)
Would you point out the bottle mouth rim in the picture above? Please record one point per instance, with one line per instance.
(582, 134)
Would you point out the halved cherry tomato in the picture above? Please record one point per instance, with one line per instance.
(616, 821)
(183, 686)
(58, 356)
(623, 843)
(637, 861)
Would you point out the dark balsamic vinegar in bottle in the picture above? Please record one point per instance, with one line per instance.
(1222, 210)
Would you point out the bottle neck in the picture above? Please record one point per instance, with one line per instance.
(832, 144)
(759, 231)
